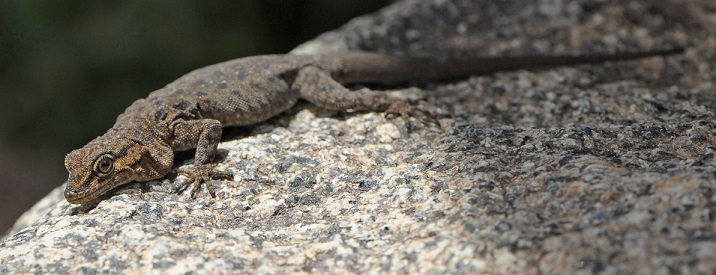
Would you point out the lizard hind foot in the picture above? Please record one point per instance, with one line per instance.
(201, 175)
(407, 110)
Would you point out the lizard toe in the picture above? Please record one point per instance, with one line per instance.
(407, 110)
(201, 175)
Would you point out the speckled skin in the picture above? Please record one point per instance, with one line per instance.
(191, 111)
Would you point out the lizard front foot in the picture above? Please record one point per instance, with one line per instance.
(201, 174)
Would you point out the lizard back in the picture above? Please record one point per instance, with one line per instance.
(237, 92)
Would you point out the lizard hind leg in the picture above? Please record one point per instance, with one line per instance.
(319, 88)
(204, 134)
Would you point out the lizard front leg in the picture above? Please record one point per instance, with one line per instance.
(204, 134)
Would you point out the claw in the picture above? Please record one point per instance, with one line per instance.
(201, 175)
(184, 185)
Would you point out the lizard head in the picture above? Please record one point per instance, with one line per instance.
(103, 164)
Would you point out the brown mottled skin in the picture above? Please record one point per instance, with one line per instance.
(191, 111)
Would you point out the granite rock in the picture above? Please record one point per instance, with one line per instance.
(595, 168)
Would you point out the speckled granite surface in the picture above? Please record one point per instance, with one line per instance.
(601, 168)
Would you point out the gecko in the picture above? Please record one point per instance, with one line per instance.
(190, 112)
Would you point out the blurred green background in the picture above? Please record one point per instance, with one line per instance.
(68, 68)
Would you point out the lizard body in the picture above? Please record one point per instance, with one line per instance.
(191, 111)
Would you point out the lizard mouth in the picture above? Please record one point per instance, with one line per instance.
(74, 196)
(78, 196)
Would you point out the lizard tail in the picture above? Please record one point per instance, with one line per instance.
(376, 68)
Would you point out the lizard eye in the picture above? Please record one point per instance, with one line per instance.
(104, 164)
